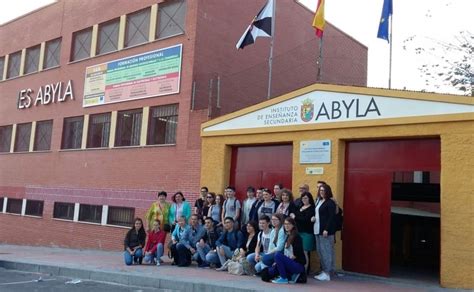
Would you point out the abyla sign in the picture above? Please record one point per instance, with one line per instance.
(47, 94)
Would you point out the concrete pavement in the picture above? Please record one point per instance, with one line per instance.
(108, 266)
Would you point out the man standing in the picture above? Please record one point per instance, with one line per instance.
(277, 191)
(253, 213)
(199, 204)
(247, 205)
(231, 206)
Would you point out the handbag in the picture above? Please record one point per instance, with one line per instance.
(235, 268)
(167, 227)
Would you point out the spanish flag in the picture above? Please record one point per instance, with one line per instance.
(318, 21)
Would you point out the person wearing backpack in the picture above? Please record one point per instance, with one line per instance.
(231, 207)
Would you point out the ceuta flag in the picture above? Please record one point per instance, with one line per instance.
(318, 21)
(261, 26)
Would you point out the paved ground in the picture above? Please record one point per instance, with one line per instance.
(18, 281)
(107, 266)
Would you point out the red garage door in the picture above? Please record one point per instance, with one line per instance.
(367, 197)
(260, 166)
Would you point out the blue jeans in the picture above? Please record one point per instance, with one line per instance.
(137, 256)
(202, 251)
(228, 253)
(268, 259)
(259, 266)
(156, 255)
(286, 266)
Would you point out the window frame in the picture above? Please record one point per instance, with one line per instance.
(106, 129)
(48, 54)
(68, 205)
(16, 200)
(115, 34)
(162, 9)
(87, 41)
(40, 207)
(37, 135)
(120, 127)
(2, 144)
(36, 59)
(99, 208)
(129, 40)
(22, 137)
(118, 209)
(17, 56)
(72, 145)
(2, 65)
(171, 116)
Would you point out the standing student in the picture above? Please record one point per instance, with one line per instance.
(201, 203)
(179, 208)
(215, 210)
(303, 188)
(253, 213)
(290, 264)
(304, 224)
(247, 205)
(231, 206)
(155, 244)
(134, 242)
(324, 230)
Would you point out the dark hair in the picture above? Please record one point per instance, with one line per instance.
(142, 229)
(210, 219)
(162, 193)
(251, 189)
(328, 190)
(261, 189)
(264, 217)
(254, 226)
(281, 218)
(293, 233)
(321, 182)
(222, 199)
(310, 197)
(195, 215)
(289, 193)
(266, 190)
(178, 193)
(230, 188)
(205, 188)
(280, 185)
(229, 218)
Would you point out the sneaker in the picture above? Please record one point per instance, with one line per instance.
(323, 277)
(280, 280)
(158, 263)
(203, 265)
(294, 278)
(223, 268)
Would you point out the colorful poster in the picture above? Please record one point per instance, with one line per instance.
(150, 74)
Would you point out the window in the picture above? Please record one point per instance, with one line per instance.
(72, 133)
(1, 204)
(99, 131)
(22, 140)
(108, 36)
(162, 125)
(5, 138)
(14, 206)
(137, 27)
(32, 59)
(14, 63)
(63, 211)
(81, 48)
(34, 208)
(43, 135)
(121, 216)
(90, 213)
(171, 16)
(2, 64)
(52, 52)
(129, 124)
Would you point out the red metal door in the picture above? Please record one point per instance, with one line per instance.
(260, 166)
(367, 197)
(366, 247)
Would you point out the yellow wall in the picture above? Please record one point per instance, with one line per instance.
(457, 181)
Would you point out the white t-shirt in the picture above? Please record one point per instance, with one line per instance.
(265, 240)
(317, 223)
(246, 210)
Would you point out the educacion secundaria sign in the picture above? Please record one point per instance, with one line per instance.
(150, 74)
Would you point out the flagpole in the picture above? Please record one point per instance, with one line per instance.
(320, 58)
(390, 58)
(270, 59)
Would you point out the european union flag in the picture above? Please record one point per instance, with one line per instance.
(387, 11)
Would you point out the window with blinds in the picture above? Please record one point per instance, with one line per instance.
(162, 125)
(121, 216)
(90, 213)
(99, 131)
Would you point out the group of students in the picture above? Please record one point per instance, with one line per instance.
(268, 234)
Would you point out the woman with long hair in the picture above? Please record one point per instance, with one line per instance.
(155, 244)
(134, 242)
(290, 264)
(277, 239)
(304, 224)
(215, 210)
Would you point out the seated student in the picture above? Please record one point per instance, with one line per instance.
(207, 242)
(263, 242)
(290, 264)
(195, 233)
(155, 244)
(277, 239)
(180, 236)
(134, 242)
(228, 242)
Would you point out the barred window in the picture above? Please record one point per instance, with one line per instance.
(72, 133)
(63, 211)
(22, 140)
(43, 135)
(171, 18)
(52, 53)
(34, 208)
(99, 131)
(14, 63)
(129, 124)
(137, 27)
(2, 64)
(108, 36)
(90, 213)
(162, 125)
(5, 138)
(121, 216)
(81, 44)
(14, 206)
(32, 59)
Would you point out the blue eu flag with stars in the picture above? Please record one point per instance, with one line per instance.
(387, 10)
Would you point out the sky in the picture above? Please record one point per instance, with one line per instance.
(426, 21)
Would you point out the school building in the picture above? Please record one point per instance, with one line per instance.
(399, 163)
(102, 104)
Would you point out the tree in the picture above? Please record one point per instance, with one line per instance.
(455, 62)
